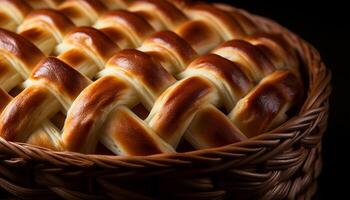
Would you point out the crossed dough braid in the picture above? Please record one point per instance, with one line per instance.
(182, 67)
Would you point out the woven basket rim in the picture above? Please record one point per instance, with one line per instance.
(319, 90)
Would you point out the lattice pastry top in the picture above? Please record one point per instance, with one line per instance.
(140, 76)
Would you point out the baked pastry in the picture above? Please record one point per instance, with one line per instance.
(140, 76)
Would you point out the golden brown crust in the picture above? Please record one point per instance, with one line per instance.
(50, 19)
(227, 26)
(168, 42)
(21, 110)
(173, 110)
(99, 99)
(258, 65)
(89, 107)
(82, 12)
(182, 4)
(170, 16)
(142, 101)
(116, 4)
(16, 46)
(5, 98)
(144, 69)
(267, 103)
(121, 24)
(278, 50)
(249, 26)
(12, 13)
(95, 41)
(21, 5)
(200, 35)
(132, 136)
(51, 79)
(57, 74)
(233, 79)
(38, 4)
(43, 26)
(210, 128)
(45, 139)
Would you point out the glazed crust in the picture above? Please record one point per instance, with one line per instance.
(141, 77)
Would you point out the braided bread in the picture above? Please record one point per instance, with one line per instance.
(140, 76)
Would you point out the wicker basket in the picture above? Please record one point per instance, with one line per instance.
(281, 164)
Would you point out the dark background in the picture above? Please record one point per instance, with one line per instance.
(325, 25)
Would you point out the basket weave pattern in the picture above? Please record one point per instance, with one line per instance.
(281, 164)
